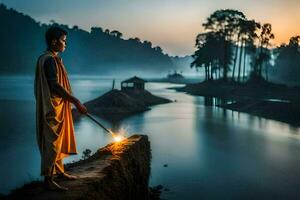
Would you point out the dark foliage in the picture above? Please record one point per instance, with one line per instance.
(229, 39)
(22, 41)
(287, 64)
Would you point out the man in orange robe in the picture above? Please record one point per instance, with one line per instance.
(54, 123)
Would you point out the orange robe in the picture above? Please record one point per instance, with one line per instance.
(54, 123)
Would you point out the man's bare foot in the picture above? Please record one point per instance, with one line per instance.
(67, 176)
(50, 184)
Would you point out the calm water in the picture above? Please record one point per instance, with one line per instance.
(211, 153)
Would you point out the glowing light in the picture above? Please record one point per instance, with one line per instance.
(118, 138)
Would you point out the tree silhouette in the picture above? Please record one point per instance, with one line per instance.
(287, 63)
(224, 23)
(248, 34)
(107, 31)
(96, 30)
(230, 37)
(209, 53)
(263, 55)
(116, 34)
(202, 56)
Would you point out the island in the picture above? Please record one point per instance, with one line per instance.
(117, 104)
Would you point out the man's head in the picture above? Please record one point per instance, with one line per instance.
(56, 39)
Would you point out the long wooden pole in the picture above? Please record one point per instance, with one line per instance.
(93, 119)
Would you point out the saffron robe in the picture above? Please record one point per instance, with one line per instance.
(54, 123)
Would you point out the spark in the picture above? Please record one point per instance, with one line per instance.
(118, 138)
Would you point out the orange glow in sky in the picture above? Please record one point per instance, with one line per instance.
(171, 24)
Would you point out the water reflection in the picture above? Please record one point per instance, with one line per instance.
(212, 153)
(213, 101)
(246, 120)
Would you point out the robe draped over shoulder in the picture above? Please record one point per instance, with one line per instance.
(54, 123)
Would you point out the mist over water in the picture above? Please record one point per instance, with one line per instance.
(211, 153)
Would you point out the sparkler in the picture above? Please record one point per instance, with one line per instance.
(116, 137)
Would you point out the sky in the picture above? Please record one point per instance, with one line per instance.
(170, 24)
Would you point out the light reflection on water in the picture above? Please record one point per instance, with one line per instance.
(211, 153)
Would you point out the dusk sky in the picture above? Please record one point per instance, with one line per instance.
(171, 24)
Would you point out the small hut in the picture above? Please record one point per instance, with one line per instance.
(134, 83)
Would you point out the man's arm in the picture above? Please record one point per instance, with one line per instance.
(56, 88)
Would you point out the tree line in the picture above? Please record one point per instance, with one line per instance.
(235, 48)
(287, 62)
(97, 51)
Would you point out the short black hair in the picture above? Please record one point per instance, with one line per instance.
(53, 33)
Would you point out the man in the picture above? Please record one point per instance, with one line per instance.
(54, 123)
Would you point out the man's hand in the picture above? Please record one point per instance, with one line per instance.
(80, 107)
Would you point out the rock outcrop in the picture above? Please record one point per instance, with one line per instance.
(118, 171)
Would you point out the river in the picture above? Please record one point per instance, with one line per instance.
(209, 152)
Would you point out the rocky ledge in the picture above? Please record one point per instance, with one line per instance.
(117, 171)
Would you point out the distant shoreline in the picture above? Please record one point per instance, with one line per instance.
(268, 100)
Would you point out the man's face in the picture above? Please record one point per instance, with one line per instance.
(60, 44)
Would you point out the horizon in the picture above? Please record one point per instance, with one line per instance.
(189, 18)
